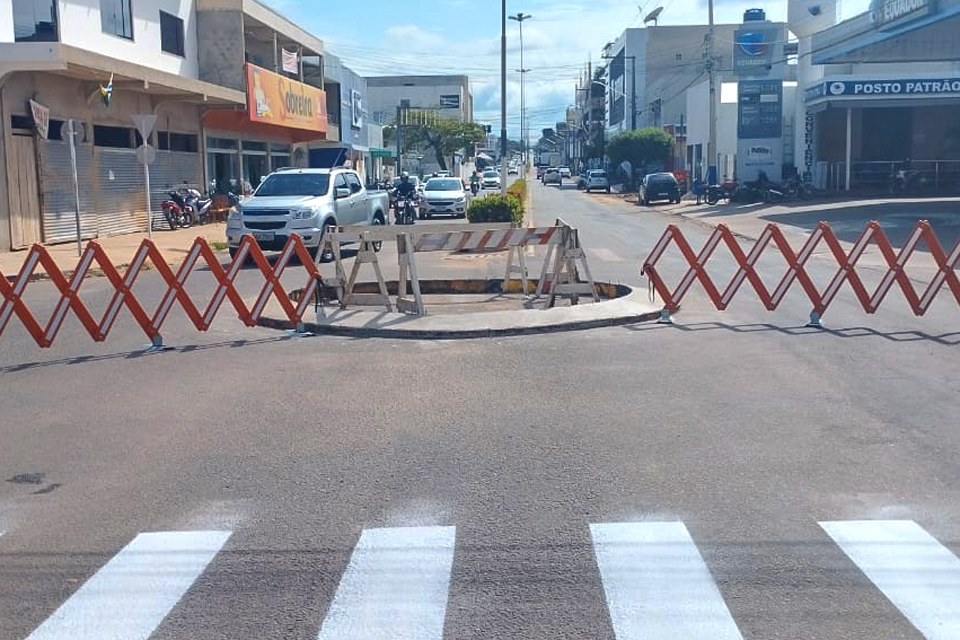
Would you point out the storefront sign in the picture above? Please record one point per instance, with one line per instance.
(41, 118)
(356, 110)
(808, 130)
(753, 51)
(890, 14)
(906, 87)
(273, 99)
(450, 101)
(381, 153)
(759, 109)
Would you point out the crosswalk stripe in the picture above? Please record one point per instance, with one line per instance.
(129, 597)
(657, 585)
(395, 586)
(916, 573)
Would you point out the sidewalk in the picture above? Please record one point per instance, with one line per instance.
(174, 245)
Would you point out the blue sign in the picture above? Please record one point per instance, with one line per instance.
(759, 109)
(869, 88)
(753, 51)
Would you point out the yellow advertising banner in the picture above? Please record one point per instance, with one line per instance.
(274, 99)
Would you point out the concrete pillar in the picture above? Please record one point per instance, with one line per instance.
(849, 147)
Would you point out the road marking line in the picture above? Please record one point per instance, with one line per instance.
(916, 573)
(131, 595)
(395, 586)
(657, 585)
(604, 255)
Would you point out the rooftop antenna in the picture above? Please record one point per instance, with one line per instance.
(653, 16)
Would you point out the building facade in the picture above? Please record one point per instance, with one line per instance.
(227, 112)
(880, 93)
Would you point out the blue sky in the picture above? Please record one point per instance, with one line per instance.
(456, 36)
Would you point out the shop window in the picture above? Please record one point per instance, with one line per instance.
(21, 122)
(249, 145)
(116, 137)
(171, 33)
(222, 143)
(34, 20)
(116, 18)
(171, 141)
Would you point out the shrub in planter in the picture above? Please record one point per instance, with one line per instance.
(496, 208)
(519, 189)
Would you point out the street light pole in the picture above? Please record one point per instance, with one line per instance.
(524, 140)
(712, 141)
(503, 98)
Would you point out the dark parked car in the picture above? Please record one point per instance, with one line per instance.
(659, 186)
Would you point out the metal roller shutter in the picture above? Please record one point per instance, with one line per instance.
(56, 191)
(120, 192)
(169, 171)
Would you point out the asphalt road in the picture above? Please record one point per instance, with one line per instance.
(319, 455)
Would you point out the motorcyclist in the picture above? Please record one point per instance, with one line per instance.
(475, 181)
(406, 187)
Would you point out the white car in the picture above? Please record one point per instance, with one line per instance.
(597, 180)
(443, 196)
(565, 172)
(307, 202)
(552, 176)
(491, 179)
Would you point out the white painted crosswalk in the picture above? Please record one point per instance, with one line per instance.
(656, 585)
(395, 586)
(129, 597)
(915, 572)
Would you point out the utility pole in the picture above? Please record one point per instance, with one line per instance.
(503, 98)
(524, 141)
(712, 142)
(633, 84)
(399, 161)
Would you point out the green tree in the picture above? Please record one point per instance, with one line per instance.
(443, 137)
(640, 147)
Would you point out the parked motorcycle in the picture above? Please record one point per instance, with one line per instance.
(177, 211)
(794, 187)
(909, 182)
(717, 192)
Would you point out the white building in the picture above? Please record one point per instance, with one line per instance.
(879, 89)
(188, 62)
(448, 96)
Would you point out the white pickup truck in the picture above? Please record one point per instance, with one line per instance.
(306, 202)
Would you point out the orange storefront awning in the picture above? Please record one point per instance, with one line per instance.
(240, 122)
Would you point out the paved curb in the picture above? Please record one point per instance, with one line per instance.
(472, 286)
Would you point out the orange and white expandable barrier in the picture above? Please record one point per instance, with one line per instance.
(151, 324)
(796, 268)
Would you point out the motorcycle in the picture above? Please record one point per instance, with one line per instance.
(716, 192)
(908, 181)
(177, 211)
(474, 188)
(794, 187)
(405, 210)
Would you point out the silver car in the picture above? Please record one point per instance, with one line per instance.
(598, 180)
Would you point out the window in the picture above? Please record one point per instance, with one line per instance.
(116, 18)
(34, 20)
(221, 143)
(170, 141)
(354, 183)
(171, 34)
(295, 184)
(116, 137)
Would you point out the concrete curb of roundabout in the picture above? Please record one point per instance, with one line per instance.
(627, 306)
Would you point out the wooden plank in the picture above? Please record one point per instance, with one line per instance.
(351, 233)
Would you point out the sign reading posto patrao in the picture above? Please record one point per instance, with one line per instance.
(274, 99)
